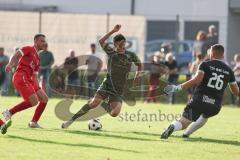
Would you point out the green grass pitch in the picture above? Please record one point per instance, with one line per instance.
(120, 138)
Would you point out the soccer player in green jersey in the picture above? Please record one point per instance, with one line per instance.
(112, 87)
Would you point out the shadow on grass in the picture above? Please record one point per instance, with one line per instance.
(106, 134)
(70, 144)
(210, 140)
(146, 134)
(101, 133)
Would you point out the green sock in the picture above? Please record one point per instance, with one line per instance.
(105, 106)
(81, 112)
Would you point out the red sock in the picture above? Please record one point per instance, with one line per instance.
(1, 122)
(38, 112)
(21, 106)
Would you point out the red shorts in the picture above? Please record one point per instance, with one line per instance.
(24, 85)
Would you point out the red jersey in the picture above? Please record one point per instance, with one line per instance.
(29, 62)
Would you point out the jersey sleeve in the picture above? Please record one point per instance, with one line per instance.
(232, 77)
(202, 67)
(107, 49)
(24, 51)
(135, 59)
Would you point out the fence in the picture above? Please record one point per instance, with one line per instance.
(67, 31)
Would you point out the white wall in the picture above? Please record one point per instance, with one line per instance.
(189, 10)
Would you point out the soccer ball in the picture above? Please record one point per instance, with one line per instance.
(94, 124)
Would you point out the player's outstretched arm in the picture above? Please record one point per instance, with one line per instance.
(13, 61)
(102, 41)
(196, 80)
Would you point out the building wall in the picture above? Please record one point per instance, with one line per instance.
(233, 37)
(153, 10)
(68, 31)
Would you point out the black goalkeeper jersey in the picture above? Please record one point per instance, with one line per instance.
(217, 75)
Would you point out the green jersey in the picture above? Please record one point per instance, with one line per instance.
(46, 58)
(118, 68)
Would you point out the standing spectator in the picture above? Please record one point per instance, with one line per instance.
(200, 44)
(173, 74)
(236, 71)
(4, 77)
(194, 66)
(15, 50)
(57, 79)
(71, 64)
(212, 36)
(94, 66)
(155, 73)
(46, 62)
(193, 69)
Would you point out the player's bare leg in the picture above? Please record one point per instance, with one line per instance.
(29, 102)
(115, 108)
(97, 99)
(43, 99)
(175, 126)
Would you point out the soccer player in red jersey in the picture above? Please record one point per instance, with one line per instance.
(25, 80)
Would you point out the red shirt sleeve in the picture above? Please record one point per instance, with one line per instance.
(25, 50)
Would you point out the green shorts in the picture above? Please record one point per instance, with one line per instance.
(106, 91)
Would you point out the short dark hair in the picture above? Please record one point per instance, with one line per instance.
(218, 48)
(38, 35)
(118, 38)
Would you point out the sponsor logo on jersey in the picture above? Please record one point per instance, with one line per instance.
(206, 99)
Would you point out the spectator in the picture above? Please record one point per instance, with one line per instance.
(15, 49)
(156, 71)
(212, 36)
(200, 44)
(4, 77)
(94, 66)
(57, 79)
(236, 71)
(193, 68)
(71, 64)
(46, 62)
(171, 63)
(165, 48)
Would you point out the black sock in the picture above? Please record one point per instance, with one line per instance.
(81, 112)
